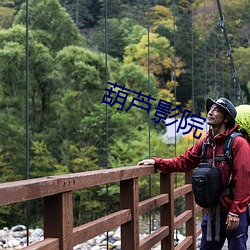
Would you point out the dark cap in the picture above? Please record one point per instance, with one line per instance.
(223, 103)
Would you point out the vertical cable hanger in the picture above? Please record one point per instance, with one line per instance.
(77, 13)
(107, 124)
(215, 52)
(175, 94)
(149, 141)
(229, 83)
(222, 63)
(27, 89)
(192, 73)
(205, 50)
(27, 208)
(222, 72)
(174, 59)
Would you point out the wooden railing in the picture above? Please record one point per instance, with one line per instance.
(59, 232)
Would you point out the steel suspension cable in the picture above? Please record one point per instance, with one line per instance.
(192, 71)
(77, 13)
(222, 68)
(174, 70)
(215, 52)
(27, 207)
(107, 121)
(205, 50)
(149, 141)
(222, 72)
(175, 97)
(229, 83)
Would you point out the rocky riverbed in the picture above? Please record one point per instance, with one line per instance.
(16, 238)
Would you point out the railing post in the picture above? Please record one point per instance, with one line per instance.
(129, 198)
(58, 219)
(167, 210)
(190, 205)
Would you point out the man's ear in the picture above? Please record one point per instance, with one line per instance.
(228, 118)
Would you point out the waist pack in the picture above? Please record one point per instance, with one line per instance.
(206, 185)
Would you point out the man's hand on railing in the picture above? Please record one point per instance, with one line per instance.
(146, 162)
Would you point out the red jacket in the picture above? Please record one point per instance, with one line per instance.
(241, 167)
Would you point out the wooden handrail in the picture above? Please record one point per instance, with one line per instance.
(58, 208)
(24, 190)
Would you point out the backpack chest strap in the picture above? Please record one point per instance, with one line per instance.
(217, 159)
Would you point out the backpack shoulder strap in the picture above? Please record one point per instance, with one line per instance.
(227, 148)
(203, 152)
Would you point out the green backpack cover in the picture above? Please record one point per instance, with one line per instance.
(243, 118)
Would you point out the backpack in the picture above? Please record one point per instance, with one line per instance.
(206, 179)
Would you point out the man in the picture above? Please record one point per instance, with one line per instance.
(221, 115)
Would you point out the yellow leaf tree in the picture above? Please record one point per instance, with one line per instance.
(155, 52)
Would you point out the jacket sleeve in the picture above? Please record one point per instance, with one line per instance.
(241, 175)
(185, 162)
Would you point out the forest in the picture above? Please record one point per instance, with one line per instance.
(57, 60)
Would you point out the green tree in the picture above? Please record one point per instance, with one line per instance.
(161, 57)
(42, 163)
(242, 64)
(12, 70)
(136, 34)
(84, 13)
(12, 108)
(117, 32)
(6, 17)
(13, 149)
(237, 21)
(78, 77)
(53, 25)
(13, 60)
(132, 76)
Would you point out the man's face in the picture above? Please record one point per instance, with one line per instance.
(215, 116)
